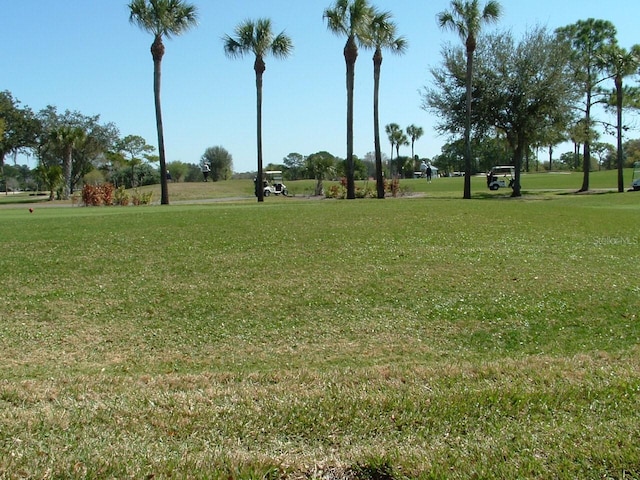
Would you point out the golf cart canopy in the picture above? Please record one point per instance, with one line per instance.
(503, 170)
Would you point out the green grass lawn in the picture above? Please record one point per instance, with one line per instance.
(532, 184)
(419, 337)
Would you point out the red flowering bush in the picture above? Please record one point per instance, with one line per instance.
(96, 195)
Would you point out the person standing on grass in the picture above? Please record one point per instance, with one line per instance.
(429, 172)
(205, 171)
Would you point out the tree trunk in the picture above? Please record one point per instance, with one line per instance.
(2, 155)
(619, 94)
(350, 56)
(377, 63)
(68, 161)
(157, 51)
(586, 164)
(467, 126)
(259, 67)
(518, 155)
(398, 164)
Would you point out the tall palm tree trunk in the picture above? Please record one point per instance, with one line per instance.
(618, 82)
(157, 51)
(259, 67)
(350, 56)
(586, 149)
(377, 63)
(467, 126)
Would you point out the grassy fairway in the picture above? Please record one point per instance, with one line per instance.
(416, 337)
(532, 184)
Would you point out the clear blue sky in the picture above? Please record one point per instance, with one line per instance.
(85, 55)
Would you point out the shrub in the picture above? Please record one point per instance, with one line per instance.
(139, 198)
(367, 191)
(94, 177)
(121, 197)
(90, 195)
(96, 195)
(336, 191)
(395, 186)
(107, 193)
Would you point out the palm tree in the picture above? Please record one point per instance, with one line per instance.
(382, 34)
(162, 18)
(350, 18)
(257, 38)
(393, 131)
(466, 19)
(414, 133)
(400, 140)
(620, 63)
(51, 177)
(64, 140)
(396, 138)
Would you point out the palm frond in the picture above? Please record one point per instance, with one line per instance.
(233, 48)
(257, 37)
(281, 46)
(163, 17)
(465, 18)
(335, 22)
(349, 18)
(492, 11)
(382, 33)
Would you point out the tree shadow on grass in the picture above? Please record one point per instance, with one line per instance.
(526, 195)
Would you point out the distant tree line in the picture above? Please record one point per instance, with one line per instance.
(72, 149)
(502, 99)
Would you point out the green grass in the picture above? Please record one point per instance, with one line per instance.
(532, 184)
(22, 198)
(425, 337)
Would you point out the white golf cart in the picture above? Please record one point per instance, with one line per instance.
(501, 176)
(635, 179)
(273, 184)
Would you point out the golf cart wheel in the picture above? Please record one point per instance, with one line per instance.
(267, 193)
(494, 186)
